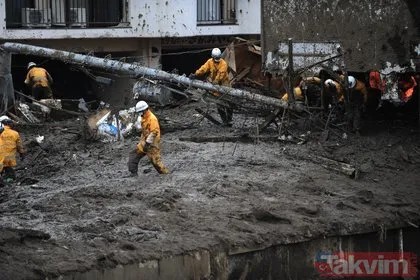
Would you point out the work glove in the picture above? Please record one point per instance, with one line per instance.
(147, 147)
(192, 76)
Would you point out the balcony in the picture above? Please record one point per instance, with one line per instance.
(216, 12)
(24, 14)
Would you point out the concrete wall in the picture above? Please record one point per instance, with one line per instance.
(374, 34)
(153, 19)
(291, 261)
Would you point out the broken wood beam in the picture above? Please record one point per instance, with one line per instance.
(51, 107)
(16, 118)
(271, 118)
(135, 71)
(241, 75)
(208, 116)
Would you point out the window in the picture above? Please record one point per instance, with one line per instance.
(65, 13)
(216, 12)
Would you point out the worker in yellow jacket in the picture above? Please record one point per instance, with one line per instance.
(40, 81)
(10, 143)
(149, 144)
(297, 94)
(216, 69)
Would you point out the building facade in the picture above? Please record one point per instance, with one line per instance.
(135, 30)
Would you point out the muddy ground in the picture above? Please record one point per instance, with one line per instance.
(74, 211)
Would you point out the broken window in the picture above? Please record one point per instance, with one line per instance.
(216, 12)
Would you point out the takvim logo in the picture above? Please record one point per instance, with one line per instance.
(375, 264)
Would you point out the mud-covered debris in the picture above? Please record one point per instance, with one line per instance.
(363, 196)
(309, 210)
(345, 206)
(13, 235)
(165, 200)
(264, 215)
(402, 153)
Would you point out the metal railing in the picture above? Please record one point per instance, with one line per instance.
(65, 13)
(216, 12)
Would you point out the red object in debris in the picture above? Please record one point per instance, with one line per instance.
(375, 81)
(408, 88)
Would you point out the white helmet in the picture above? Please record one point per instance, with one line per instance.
(216, 53)
(351, 81)
(329, 83)
(31, 64)
(5, 118)
(141, 106)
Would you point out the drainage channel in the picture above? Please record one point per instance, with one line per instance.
(290, 261)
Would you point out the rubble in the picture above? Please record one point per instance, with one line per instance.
(280, 175)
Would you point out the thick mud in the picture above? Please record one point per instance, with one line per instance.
(73, 210)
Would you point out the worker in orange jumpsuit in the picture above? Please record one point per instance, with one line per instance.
(10, 143)
(1, 159)
(407, 88)
(334, 90)
(216, 70)
(149, 144)
(357, 101)
(40, 82)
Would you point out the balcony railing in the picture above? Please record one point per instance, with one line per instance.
(65, 13)
(216, 12)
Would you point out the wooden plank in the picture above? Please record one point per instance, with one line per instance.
(241, 75)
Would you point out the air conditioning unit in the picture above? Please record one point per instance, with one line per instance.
(77, 17)
(36, 17)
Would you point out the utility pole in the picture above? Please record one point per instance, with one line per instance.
(136, 71)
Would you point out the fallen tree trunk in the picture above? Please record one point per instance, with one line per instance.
(118, 67)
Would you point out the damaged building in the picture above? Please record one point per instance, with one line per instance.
(168, 35)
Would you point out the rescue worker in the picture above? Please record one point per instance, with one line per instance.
(10, 143)
(358, 98)
(149, 144)
(297, 94)
(311, 87)
(40, 81)
(334, 90)
(216, 70)
(406, 87)
(1, 159)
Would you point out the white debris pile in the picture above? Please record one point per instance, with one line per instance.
(108, 127)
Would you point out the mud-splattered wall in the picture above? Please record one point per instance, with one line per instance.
(371, 32)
